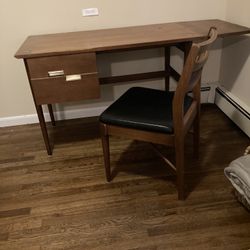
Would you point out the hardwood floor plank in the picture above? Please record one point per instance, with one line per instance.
(15, 212)
(64, 202)
(4, 236)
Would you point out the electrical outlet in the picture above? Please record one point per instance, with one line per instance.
(90, 12)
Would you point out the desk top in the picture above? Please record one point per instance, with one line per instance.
(123, 38)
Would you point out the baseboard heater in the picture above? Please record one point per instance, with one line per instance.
(235, 109)
(205, 94)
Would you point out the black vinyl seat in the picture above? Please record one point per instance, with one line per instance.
(143, 108)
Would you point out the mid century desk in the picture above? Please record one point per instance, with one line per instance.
(62, 67)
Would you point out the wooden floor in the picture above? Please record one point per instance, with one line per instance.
(63, 201)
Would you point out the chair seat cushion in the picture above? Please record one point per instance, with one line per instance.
(143, 108)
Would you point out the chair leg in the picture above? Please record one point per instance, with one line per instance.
(106, 153)
(179, 158)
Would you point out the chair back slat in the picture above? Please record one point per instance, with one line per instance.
(192, 70)
(194, 79)
(199, 59)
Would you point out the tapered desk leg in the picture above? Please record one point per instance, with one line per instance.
(43, 128)
(167, 67)
(187, 48)
(51, 115)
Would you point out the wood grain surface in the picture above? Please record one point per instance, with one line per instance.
(123, 38)
(63, 201)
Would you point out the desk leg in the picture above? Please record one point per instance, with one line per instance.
(51, 115)
(43, 128)
(187, 48)
(167, 67)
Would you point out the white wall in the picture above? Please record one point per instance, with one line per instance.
(18, 19)
(235, 66)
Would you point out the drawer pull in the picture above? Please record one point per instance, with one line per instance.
(56, 73)
(70, 78)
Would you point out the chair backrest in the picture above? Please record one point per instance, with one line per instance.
(191, 75)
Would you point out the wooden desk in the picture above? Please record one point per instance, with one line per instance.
(62, 67)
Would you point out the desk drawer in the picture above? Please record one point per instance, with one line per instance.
(58, 89)
(64, 78)
(51, 66)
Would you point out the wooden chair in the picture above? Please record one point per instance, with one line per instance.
(161, 117)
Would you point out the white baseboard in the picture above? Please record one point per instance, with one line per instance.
(59, 115)
(206, 97)
(234, 108)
